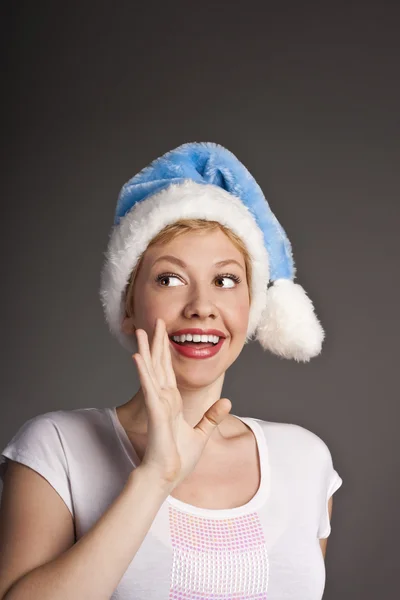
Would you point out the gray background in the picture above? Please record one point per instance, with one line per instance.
(307, 96)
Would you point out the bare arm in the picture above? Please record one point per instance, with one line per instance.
(93, 567)
(323, 541)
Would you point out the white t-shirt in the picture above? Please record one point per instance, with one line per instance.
(265, 549)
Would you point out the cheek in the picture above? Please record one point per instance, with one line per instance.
(243, 317)
(153, 307)
(238, 314)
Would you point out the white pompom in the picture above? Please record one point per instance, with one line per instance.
(289, 326)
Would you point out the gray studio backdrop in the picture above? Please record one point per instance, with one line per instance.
(307, 96)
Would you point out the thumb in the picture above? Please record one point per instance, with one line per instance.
(213, 417)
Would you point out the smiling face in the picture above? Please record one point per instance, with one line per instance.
(199, 295)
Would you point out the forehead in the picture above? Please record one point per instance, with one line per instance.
(196, 247)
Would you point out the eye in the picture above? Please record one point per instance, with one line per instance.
(230, 277)
(166, 276)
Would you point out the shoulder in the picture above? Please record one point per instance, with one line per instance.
(54, 427)
(48, 441)
(294, 440)
(63, 417)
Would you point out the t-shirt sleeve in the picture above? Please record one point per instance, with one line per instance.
(38, 445)
(331, 481)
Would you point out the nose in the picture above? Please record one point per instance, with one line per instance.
(200, 304)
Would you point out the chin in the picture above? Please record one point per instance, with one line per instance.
(197, 378)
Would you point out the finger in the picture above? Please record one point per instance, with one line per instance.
(157, 350)
(167, 363)
(213, 417)
(146, 381)
(144, 351)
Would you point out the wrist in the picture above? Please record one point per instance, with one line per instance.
(150, 477)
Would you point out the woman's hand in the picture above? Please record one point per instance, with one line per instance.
(173, 446)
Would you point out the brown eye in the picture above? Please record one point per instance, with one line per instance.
(228, 276)
(164, 276)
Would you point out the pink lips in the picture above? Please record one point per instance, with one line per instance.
(193, 352)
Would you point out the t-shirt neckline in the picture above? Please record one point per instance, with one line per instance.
(254, 503)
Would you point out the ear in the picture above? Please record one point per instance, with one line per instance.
(128, 326)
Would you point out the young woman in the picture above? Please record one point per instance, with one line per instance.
(170, 495)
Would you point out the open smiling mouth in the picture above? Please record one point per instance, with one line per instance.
(197, 349)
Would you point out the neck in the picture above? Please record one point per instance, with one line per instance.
(195, 404)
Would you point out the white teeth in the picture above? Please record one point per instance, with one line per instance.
(188, 337)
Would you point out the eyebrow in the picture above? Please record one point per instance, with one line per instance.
(180, 262)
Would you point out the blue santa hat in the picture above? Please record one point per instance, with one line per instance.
(204, 180)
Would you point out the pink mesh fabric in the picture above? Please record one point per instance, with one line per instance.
(218, 559)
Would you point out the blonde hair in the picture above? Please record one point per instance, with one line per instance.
(178, 228)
